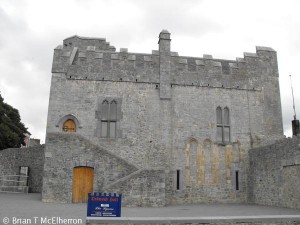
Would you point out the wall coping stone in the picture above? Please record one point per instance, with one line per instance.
(190, 220)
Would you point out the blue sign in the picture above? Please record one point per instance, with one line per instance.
(103, 205)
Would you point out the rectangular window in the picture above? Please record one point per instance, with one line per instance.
(219, 134)
(226, 134)
(178, 180)
(223, 125)
(112, 129)
(107, 114)
(104, 129)
(237, 180)
(24, 170)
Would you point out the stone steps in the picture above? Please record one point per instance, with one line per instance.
(14, 184)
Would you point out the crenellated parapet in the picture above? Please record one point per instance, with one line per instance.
(83, 42)
(95, 59)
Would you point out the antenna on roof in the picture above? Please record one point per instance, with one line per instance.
(293, 98)
(295, 122)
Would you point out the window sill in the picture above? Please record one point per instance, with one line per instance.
(108, 140)
(223, 143)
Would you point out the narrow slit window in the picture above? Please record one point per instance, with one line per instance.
(237, 180)
(178, 180)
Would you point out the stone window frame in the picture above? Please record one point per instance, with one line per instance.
(223, 123)
(99, 115)
(63, 119)
(109, 119)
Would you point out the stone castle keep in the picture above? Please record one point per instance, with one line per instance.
(160, 128)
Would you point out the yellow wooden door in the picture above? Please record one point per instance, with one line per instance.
(83, 179)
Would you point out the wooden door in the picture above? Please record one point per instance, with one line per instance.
(83, 179)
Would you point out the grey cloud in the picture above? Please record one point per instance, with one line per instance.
(156, 15)
(294, 41)
(10, 27)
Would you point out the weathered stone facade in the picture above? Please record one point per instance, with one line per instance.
(165, 132)
(274, 176)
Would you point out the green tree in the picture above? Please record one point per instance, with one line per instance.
(11, 128)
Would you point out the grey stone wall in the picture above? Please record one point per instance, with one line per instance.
(144, 188)
(34, 142)
(65, 151)
(167, 114)
(274, 174)
(33, 157)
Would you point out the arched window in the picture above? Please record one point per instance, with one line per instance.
(105, 109)
(226, 116)
(109, 119)
(69, 126)
(219, 115)
(223, 125)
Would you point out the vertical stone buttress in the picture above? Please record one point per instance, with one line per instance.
(165, 103)
(165, 64)
(270, 78)
(262, 69)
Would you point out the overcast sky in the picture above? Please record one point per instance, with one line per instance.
(31, 29)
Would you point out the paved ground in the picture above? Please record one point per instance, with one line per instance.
(28, 206)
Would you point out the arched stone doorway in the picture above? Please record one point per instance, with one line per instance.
(83, 179)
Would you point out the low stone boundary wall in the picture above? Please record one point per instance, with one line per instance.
(226, 220)
(33, 157)
(273, 177)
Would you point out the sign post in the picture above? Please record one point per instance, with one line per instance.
(103, 205)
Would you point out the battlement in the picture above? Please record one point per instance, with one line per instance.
(83, 42)
(95, 59)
